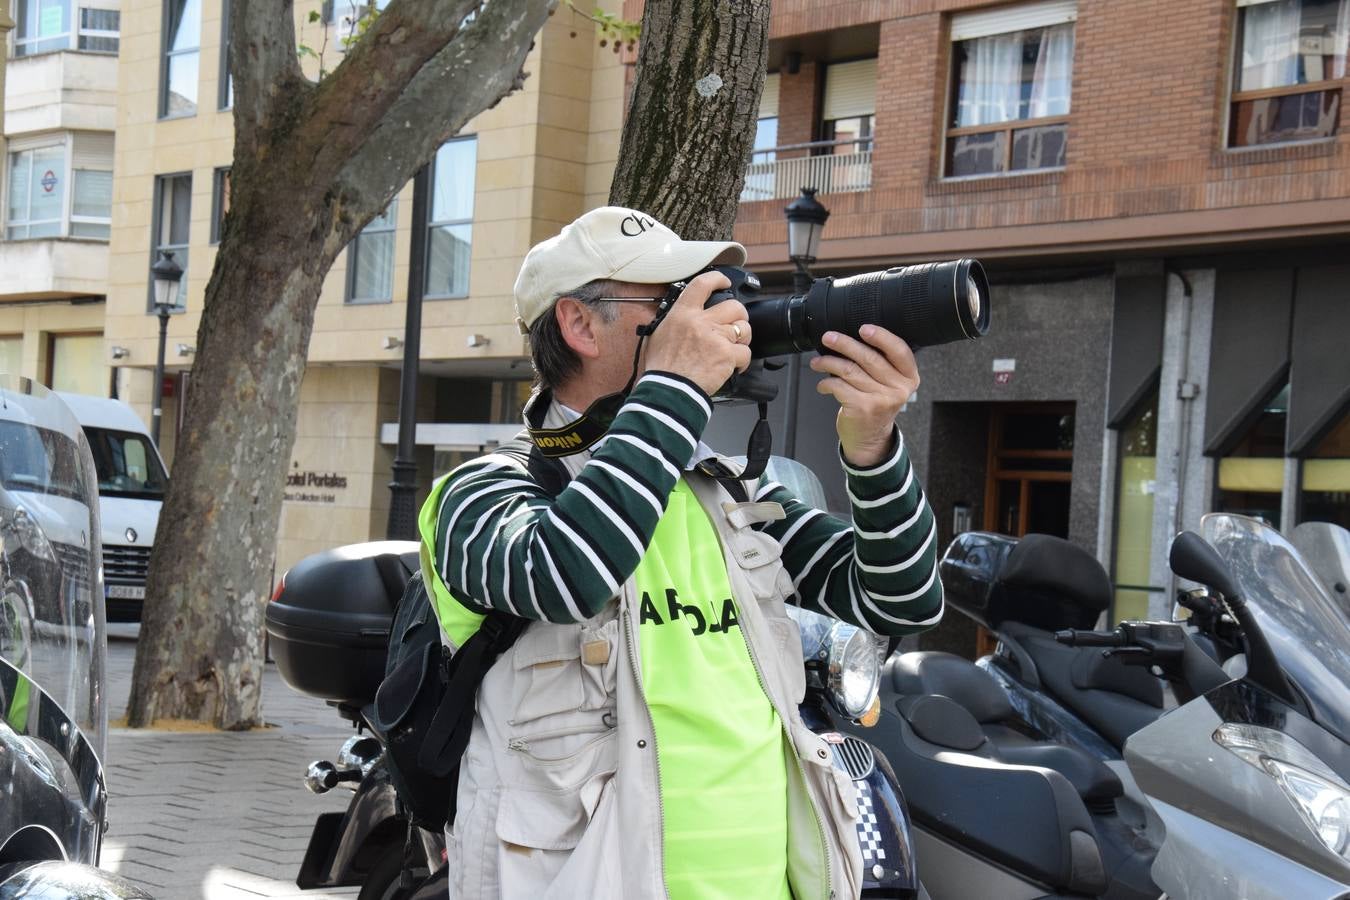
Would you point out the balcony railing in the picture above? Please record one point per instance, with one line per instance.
(831, 167)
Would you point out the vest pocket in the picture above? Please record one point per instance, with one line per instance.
(547, 660)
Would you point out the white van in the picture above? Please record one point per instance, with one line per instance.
(131, 486)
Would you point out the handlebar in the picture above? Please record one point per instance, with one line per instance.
(1075, 638)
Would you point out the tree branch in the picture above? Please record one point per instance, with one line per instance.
(377, 69)
(471, 73)
(262, 44)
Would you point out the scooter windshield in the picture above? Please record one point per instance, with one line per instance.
(51, 609)
(1307, 629)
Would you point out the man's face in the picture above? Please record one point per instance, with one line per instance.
(636, 306)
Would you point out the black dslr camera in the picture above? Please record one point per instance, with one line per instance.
(925, 304)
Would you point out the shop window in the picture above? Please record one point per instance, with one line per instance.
(370, 260)
(220, 203)
(1324, 479)
(75, 364)
(1251, 475)
(450, 228)
(182, 52)
(11, 354)
(37, 191)
(1136, 474)
(173, 212)
(1289, 72)
(1011, 86)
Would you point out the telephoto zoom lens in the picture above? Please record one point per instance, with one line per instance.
(926, 304)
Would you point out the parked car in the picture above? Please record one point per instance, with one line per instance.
(131, 487)
(53, 712)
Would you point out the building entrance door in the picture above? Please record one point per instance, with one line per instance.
(1029, 475)
(1030, 469)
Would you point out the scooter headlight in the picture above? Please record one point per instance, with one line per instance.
(854, 669)
(1319, 795)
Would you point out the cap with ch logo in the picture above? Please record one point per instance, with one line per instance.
(616, 244)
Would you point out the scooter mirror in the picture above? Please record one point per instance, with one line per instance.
(1193, 558)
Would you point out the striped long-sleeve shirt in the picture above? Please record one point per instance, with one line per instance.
(503, 543)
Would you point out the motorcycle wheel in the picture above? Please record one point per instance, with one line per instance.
(382, 882)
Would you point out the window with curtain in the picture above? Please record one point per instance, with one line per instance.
(182, 52)
(173, 212)
(848, 107)
(100, 30)
(1324, 478)
(1011, 87)
(450, 229)
(1251, 475)
(1289, 72)
(370, 260)
(37, 193)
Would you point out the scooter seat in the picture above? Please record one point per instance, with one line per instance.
(980, 720)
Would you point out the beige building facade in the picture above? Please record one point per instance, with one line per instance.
(513, 176)
(56, 154)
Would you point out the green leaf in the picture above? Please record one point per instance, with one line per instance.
(314, 15)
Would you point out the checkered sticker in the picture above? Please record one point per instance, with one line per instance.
(869, 835)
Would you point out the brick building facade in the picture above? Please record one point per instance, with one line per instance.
(1163, 286)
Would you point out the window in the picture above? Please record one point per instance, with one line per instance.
(1290, 67)
(370, 260)
(92, 178)
(450, 229)
(44, 26)
(99, 30)
(173, 210)
(1251, 475)
(75, 364)
(1135, 480)
(849, 106)
(11, 354)
(220, 203)
(41, 26)
(182, 48)
(1012, 79)
(348, 16)
(37, 179)
(38, 176)
(1324, 482)
(226, 98)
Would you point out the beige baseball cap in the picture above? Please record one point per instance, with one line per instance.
(611, 243)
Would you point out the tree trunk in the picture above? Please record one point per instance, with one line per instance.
(312, 165)
(691, 122)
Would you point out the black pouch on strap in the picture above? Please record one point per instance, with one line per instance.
(424, 708)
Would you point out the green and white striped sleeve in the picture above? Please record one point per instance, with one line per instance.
(881, 573)
(503, 543)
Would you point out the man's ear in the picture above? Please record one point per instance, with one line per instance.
(576, 323)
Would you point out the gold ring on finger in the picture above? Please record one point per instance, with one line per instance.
(736, 330)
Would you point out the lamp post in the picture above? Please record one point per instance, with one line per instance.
(806, 220)
(168, 276)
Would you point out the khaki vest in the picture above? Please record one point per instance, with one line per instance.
(558, 790)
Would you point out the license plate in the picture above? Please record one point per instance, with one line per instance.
(126, 592)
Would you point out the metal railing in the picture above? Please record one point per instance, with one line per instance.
(823, 167)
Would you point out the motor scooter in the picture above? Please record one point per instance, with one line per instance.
(1237, 789)
(53, 713)
(329, 624)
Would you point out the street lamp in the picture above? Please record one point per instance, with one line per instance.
(806, 220)
(167, 278)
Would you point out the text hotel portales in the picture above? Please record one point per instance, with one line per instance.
(297, 482)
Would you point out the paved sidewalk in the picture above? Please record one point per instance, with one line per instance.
(217, 815)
